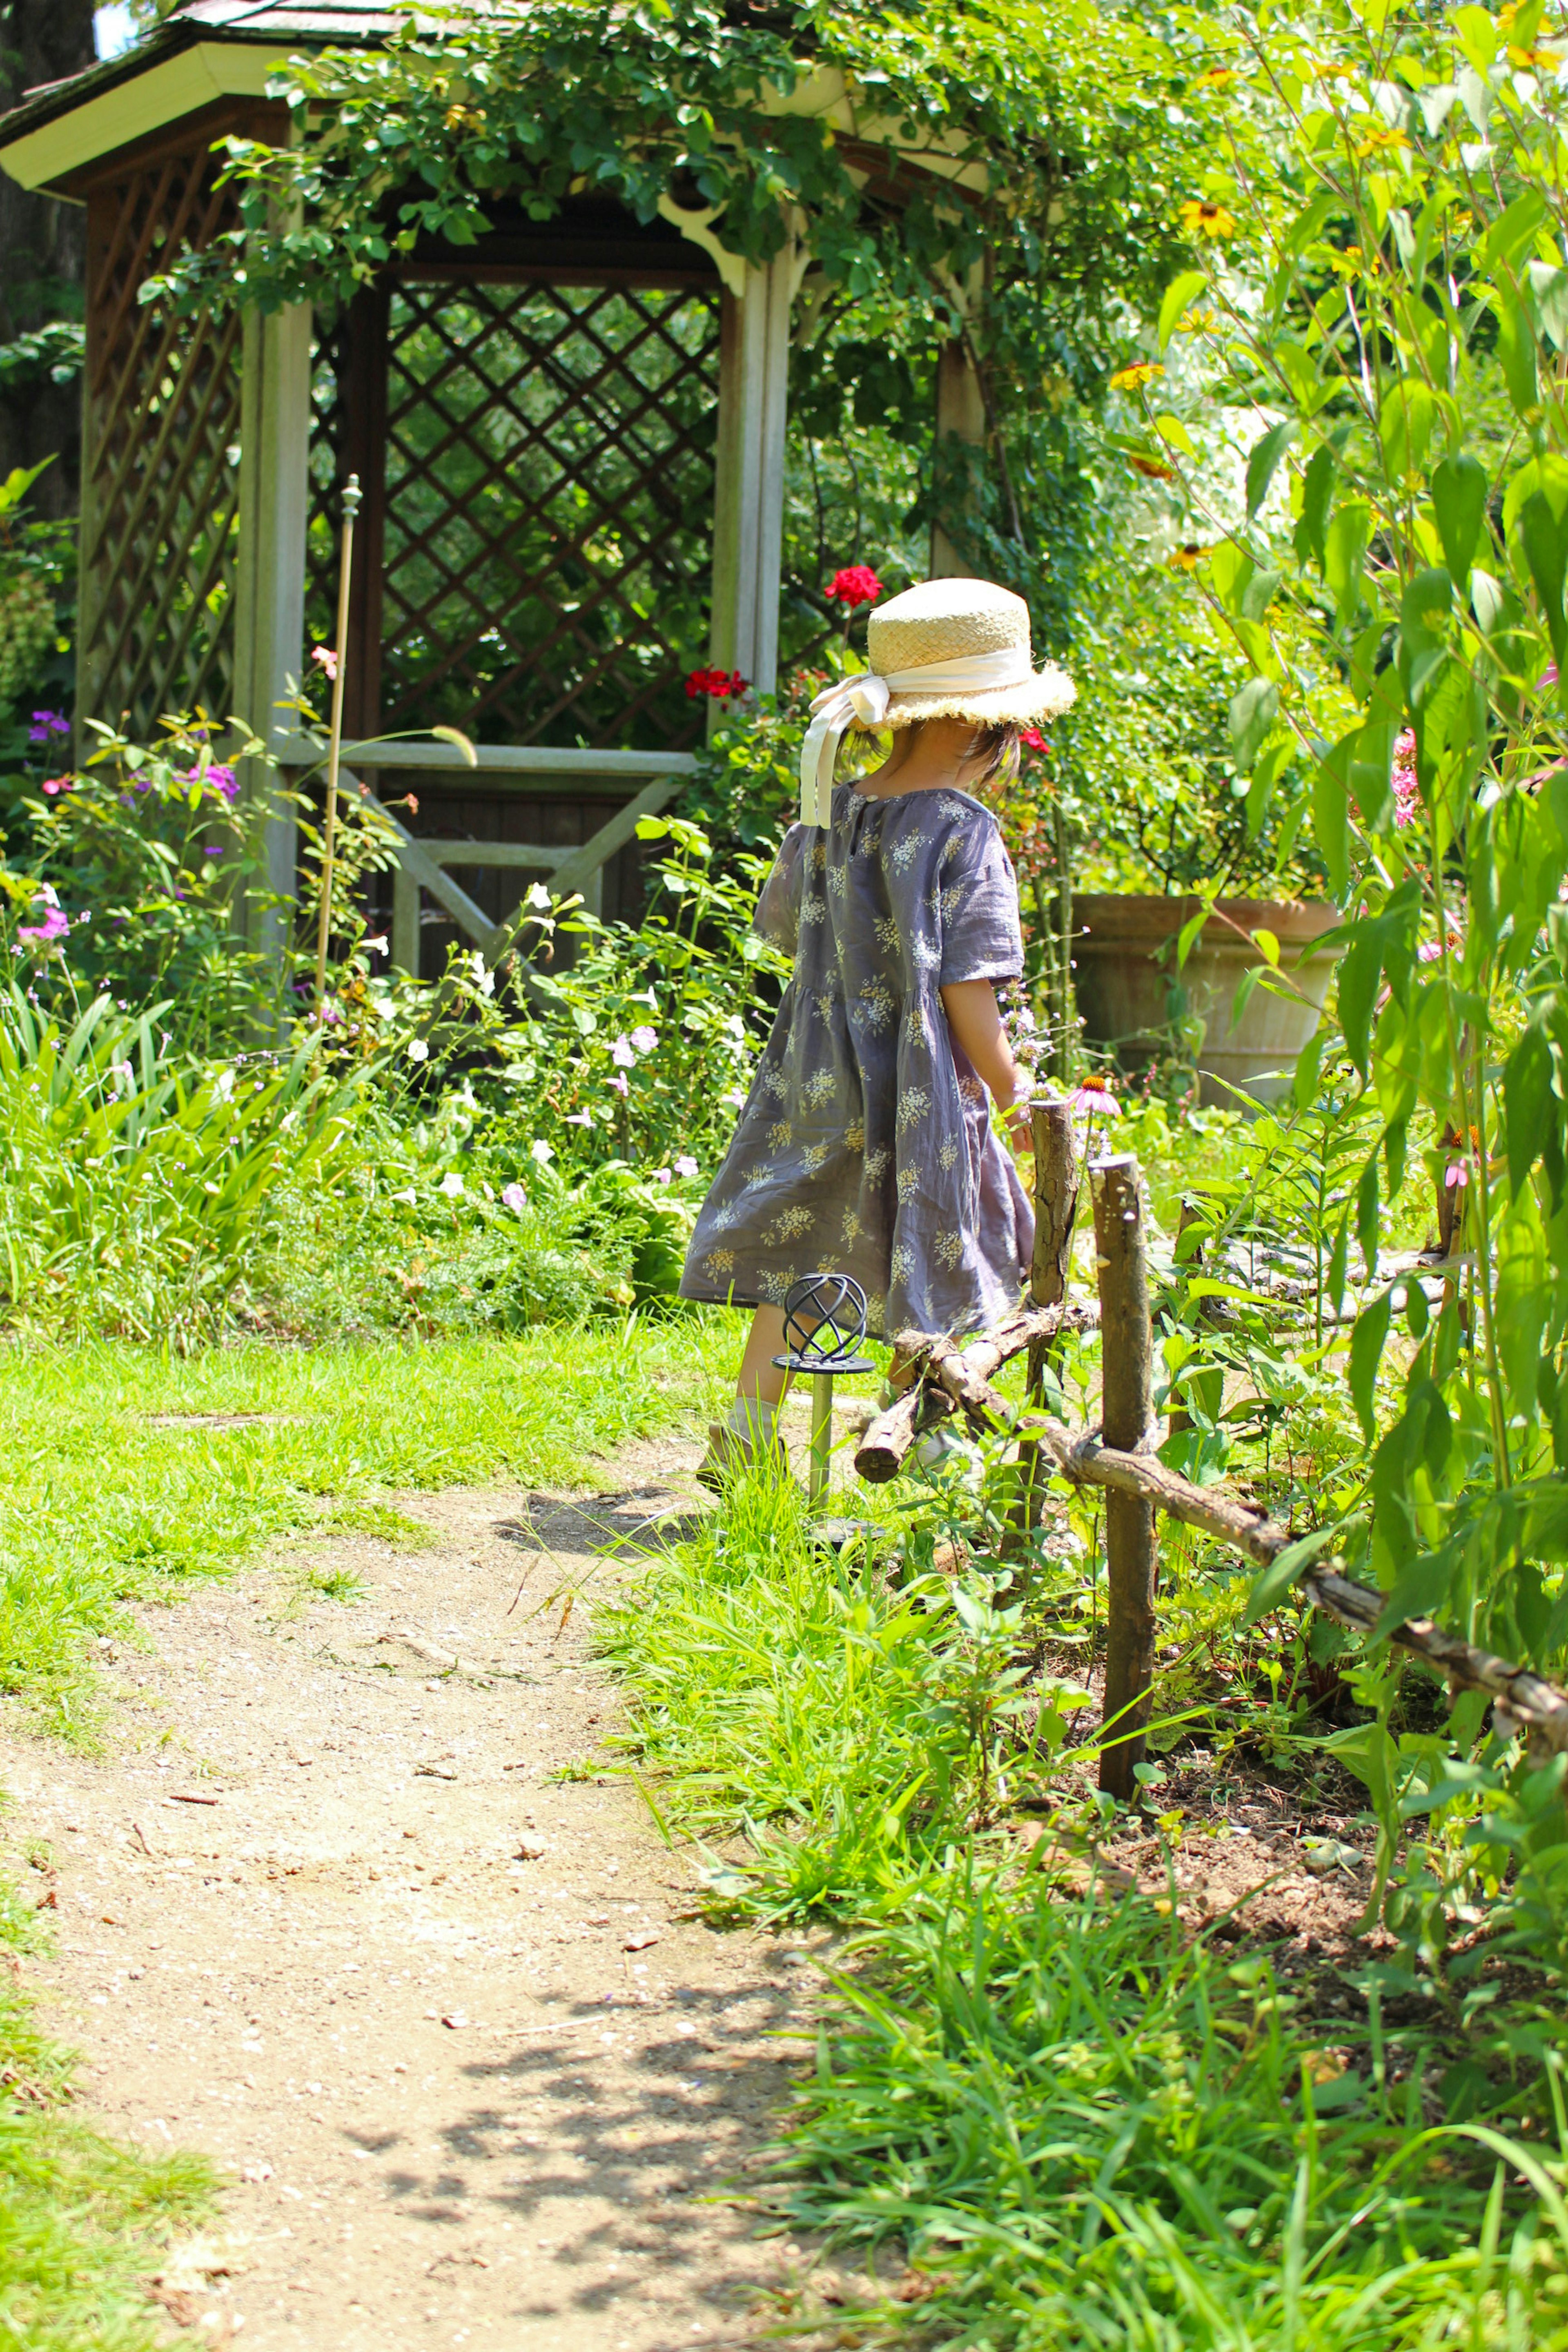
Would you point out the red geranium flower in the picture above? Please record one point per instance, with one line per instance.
(856, 584)
(720, 684)
(1034, 738)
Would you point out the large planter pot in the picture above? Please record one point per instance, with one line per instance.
(1130, 996)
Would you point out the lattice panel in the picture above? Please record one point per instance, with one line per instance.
(548, 512)
(161, 489)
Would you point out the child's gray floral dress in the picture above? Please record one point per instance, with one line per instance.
(865, 1146)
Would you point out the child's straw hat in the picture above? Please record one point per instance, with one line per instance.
(947, 649)
(960, 621)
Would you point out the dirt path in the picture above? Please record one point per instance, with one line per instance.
(442, 2019)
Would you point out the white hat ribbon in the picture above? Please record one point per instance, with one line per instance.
(866, 697)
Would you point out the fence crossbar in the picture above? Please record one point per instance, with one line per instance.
(1524, 1700)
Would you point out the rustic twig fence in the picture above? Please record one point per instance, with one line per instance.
(940, 1377)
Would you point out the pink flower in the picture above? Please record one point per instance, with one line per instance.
(1430, 951)
(621, 1053)
(43, 934)
(328, 658)
(1406, 791)
(1093, 1095)
(53, 785)
(1034, 738)
(662, 1175)
(618, 1080)
(513, 1197)
(1457, 1171)
(644, 1038)
(579, 1119)
(856, 585)
(685, 1165)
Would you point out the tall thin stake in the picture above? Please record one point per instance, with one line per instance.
(1127, 1404)
(1056, 1173)
(335, 743)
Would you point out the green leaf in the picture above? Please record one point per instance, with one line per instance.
(1186, 938)
(1344, 555)
(1331, 825)
(1268, 944)
(1367, 1231)
(1459, 498)
(1367, 1342)
(1549, 285)
(1260, 593)
(1316, 489)
(1263, 462)
(1252, 714)
(1527, 1102)
(1544, 533)
(1270, 766)
(1424, 614)
(1177, 300)
(1516, 351)
(1281, 1572)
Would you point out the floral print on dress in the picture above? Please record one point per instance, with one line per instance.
(866, 1138)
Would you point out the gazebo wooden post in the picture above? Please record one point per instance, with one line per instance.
(269, 589)
(748, 511)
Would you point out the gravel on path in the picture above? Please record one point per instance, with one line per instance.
(476, 2074)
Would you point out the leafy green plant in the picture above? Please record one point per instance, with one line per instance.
(1387, 228)
(138, 1191)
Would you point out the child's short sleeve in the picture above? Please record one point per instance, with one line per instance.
(981, 939)
(777, 918)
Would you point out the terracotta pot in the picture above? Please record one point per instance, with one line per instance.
(1130, 993)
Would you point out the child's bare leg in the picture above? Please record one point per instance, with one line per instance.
(762, 1381)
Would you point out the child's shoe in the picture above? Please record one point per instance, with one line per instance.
(746, 1439)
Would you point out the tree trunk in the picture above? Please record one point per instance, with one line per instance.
(43, 246)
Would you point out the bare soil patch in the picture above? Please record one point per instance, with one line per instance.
(447, 2023)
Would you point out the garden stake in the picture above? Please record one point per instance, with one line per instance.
(1057, 1175)
(1127, 1403)
(825, 1322)
(334, 746)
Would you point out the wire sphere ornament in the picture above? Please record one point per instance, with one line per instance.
(825, 1324)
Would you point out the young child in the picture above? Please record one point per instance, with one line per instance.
(865, 1145)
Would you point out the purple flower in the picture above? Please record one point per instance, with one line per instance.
(211, 853)
(513, 1197)
(46, 723)
(618, 1080)
(221, 779)
(685, 1165)
(644, 1038)
(622, 1055)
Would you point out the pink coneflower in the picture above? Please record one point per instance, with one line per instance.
(1093, 1095)
(1430, 951)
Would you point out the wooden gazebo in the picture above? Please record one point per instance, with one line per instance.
(572, 443)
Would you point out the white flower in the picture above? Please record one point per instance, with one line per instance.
(408, 1194)
(579, 1119)
(644, 1038)
(538, 898)
(484, 979)
(419, 1051)
(374, 946)
(542, 1152)
(685, 1165)
(513, 1197)
(451, 1184)
(734, 1099)
(622, 1055)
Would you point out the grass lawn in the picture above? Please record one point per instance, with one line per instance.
(113, 1490)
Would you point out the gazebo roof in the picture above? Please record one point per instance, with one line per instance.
(205, 52)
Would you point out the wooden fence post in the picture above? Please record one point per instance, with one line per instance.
(1127, 1401)
(1056, 1176)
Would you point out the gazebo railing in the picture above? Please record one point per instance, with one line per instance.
(571, 872)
